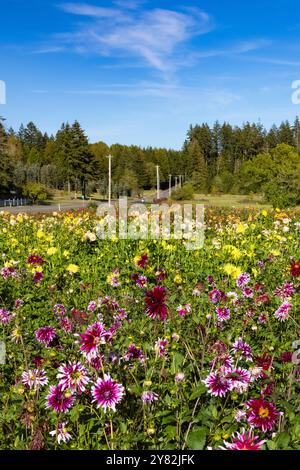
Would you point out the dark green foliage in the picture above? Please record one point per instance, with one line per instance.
(35, 191)
(213, 159)
(276, 174)
(184, 194)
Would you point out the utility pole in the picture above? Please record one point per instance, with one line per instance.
(170, 185)
(109, 179)
(158, 182)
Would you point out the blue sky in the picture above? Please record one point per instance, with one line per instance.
(140, 72)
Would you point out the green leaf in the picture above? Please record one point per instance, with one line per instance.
(197, 438)
(271, 445)
(177, 361)
(283, 441)
(198, 391)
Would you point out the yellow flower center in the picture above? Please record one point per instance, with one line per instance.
(263, 412)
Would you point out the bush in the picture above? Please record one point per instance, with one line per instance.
(93, 205)
(276, 175)
(35, 191)
(224, 183)
(185, 193)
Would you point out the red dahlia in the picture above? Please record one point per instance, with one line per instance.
(295, 268)
(262, 414)
(35, 259)
(155, 303)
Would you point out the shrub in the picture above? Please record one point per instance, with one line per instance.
(185, 193)
(35, 191)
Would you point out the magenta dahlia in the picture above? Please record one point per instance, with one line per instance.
(239, 346)
(217, 384)
(59, 309)
(244, 441)
(94, 335)
(59, 400)
(223, 314)
(134, 353)
(45, 335)
(183, 309)
(107, 393)
(155, 303)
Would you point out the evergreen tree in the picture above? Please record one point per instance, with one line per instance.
(81, 159)
(200, 174)
(5, 163)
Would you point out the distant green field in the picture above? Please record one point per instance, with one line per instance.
(231, 200)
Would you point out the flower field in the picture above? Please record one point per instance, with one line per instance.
(116, 344)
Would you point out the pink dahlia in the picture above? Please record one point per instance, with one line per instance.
(282, 314)
(61, 433)
(183, 309)
(161, 347)
(66, 325)
(243, 348)
(215, 296)
(107, 393)
(243, 280)
(92, 306)
(59, 309)
(5, 316)
(141, 281)
(148, 396)
(239, 379)
(287, 290)
(244, 441)
(34, 379)
(248, 292)
(73, 376)
(45, 335)
(155, 303)
(217, 384)
(9, 272)
(262, 414)
(59, 400)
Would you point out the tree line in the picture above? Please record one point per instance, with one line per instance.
(213, 158)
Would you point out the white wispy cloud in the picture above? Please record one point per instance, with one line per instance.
(208, 96)
(84, 9)
(156, 35)
(129, 4)
(49, 50)
(274, 61)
